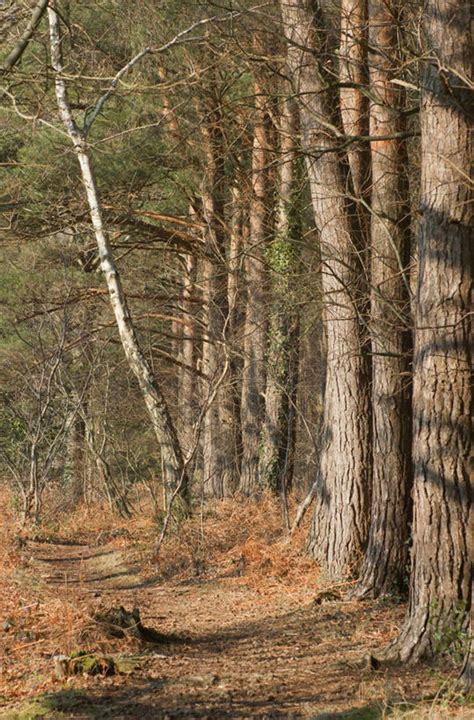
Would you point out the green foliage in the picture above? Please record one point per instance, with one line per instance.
(54, 705)
(451, 638)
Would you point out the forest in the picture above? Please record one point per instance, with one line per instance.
(235, 365)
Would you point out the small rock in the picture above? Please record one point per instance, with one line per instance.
(8, 625)
(25, 636)
(61, 666)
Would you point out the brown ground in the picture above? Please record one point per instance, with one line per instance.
(249, 634)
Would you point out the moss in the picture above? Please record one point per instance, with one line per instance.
(54, 706)
(86, 663)
(27, 712)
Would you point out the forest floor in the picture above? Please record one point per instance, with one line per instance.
(250, 628)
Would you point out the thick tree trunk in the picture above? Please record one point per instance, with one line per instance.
(152, 394)
(255, 328)
(340, 524)
(277, 438)
(220, 439)
(384, 565)
(441, 577)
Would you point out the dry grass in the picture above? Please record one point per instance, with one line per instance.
(242, 540)
(235, 553)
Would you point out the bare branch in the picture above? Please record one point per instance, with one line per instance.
(180, 37)
(14, 56)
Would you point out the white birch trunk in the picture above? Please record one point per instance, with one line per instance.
(156, 405)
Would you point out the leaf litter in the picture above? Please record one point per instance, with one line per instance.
(244, 625)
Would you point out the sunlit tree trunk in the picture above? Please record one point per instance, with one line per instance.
(155, 402)
(384, 566)
(256, 276)
(236, 298)
(354, 79)
(187, 384)
(219, 441)
(441, 576)
(340, 525)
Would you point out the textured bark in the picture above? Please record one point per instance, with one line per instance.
(311, 370)
(441, 577)
(187, 378)
(278, 432)
(236, 299)
(163, 427)
(384, 565)
(219, 443)
(255, 328)
(354, 103)
(235, 279)
(340, 524)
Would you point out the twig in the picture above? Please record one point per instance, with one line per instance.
(92, 115)
(303, 507)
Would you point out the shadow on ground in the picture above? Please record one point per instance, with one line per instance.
(144, 703)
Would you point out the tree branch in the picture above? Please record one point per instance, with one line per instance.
(15, 55)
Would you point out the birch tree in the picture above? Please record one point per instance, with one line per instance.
(163, 427)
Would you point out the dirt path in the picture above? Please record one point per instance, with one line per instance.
(236, 651)
(92, 569)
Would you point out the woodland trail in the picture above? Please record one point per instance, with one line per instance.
(235, 648)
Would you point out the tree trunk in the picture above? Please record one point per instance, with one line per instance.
(255, 327)
(73, 474)
(384, 566)
(186, 377)
(311, 369)
(277, 438)
(236, 299)
(441, 577)
(220, 441)
(340, 523)
(354, 103)
(153, 396)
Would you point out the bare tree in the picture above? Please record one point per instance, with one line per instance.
(21, 44)
(153, 396)
(35, 422)
(354, 102)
